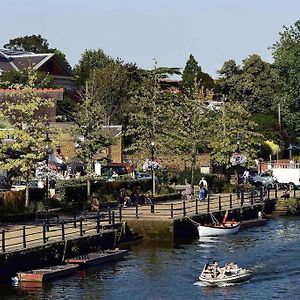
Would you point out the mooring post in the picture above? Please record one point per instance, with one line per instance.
(137, 211)
(63, 230)
(242, 198)
(184, 209)
(196, 206)
(3, 240)
(220, 203)
(80, 227)
(230, 201)
(74, 216)
(44, 234)
(109, 215)
(208, 204)
(172, 210)
(24, 237)
(276, 189)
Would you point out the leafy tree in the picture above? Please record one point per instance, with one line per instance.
(186, 128)
(233, 122)
(286, 53)
(91, 60)
(254, 84)
(192, 72)
(93, 136)
(24, 108)
(11, 78)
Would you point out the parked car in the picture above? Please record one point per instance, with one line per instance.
(264, 179)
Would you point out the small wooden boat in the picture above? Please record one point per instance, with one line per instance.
(40, 275)
(217, 229)
(230, 273)
(97, 258)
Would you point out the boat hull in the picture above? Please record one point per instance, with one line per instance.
(218, 230)
(96, 258)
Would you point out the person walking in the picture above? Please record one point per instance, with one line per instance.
(203, 189)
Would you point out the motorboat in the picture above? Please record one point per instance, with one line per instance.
(212, 274)
(216, 228)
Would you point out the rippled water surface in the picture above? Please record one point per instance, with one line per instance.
(167, 271)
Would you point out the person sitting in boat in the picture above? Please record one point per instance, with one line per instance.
(216, 271)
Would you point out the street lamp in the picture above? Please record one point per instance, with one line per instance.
(152, 168)
(47, 142)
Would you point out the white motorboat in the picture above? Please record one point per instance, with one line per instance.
(230, 273)
(217, 229)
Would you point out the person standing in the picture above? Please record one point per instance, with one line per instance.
(52, 185)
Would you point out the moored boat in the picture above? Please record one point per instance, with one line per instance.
(212, 274)
(97, 258)
(217, 229)
(44, 274)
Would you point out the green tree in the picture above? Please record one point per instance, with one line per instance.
(93, 136)
(192, 72)
(91, 60)
(187, 126)
(286, 53)
(24, 107)
(254, 84)
(232, 123)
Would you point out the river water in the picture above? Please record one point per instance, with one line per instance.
(166, 271)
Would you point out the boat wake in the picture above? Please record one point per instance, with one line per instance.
(218, 285)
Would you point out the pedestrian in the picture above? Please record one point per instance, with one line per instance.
(203, 189)
(52, 184)
(246, 176)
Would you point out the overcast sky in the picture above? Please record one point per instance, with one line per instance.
(141, 30)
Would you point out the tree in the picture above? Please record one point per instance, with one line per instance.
(254, 84)
(231, 124)
(91, 60)
(187, 126)
(286, 54)
(93, 136)
(24, 108)
(192, 72)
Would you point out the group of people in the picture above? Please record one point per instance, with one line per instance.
(215, 271)
(133, 198)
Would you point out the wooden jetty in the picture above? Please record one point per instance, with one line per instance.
(45, 274)
(97, 258)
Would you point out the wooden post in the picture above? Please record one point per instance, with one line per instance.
(196, 206)
(220, 203)
(113, 218)
(152, 208)
(44, 234)
(3, 240)
(208, 204)
(242, 198)
(74, 220)
(172, 210)
(24, 237)
(98, 223)
(137, 211)
(109, 215)
(261, 195)
(251, 198)
(184, 209)
(63, 230)
(80, 227)
(268, 194)
(120, 213)
(276, 189)
(230, 201)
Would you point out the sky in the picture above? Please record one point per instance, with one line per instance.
(140, 31)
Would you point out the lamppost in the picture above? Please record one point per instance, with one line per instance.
(152, 168)
(47, 142)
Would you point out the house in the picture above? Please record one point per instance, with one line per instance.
(50, 63)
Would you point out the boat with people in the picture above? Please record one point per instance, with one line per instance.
(213, 274)
(216, 228)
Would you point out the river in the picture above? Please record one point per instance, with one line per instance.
(153, 270)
